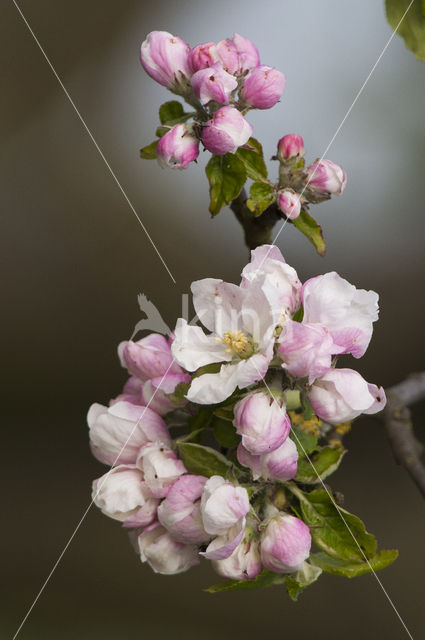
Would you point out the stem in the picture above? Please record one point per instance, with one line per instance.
(257, 230)
(397, 420)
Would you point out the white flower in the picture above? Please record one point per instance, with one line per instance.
(242, 323)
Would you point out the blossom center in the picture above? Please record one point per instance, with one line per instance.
(238, 344)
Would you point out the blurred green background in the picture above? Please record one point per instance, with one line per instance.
(74, 258)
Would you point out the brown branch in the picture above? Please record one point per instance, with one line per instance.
(257, 230)
(397, 419)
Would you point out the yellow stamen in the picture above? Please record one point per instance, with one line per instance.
(238, 344)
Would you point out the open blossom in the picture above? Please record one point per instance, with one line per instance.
(122, 494)
(262, 422)
(306, 349)
(226, 132)
(242, 325)
(348, 313)
(290, 203)
(279, 281)
(285, 544)
(223, 511)
(118, 432)
(147, 358)
(342, 394)
(238, 54)
(213, 83)
(164, 554)
(161, 467)
(178, 147)
(262, 87)
(245, 562)
(180, 512)
(166, 59)
(326, 177)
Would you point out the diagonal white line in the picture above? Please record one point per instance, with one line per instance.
(55, 566)
(94, 142)
(341, 124)
(344, 521)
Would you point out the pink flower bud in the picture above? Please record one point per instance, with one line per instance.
(280, 464)
(132, 392)
(262, 422)
(163, 554)
(224, 545)
(150, 357)
(290, 146)
(180, 512)
(213, 83)
(325, 177)
(121, 494)
(178, 147)
(156, 392)
(166, 59)
(227, 131)
(160, 466)
(222, 505)
(285, 544)
(290, 203)
(203, 56)
(306, 349)
(262, 87)
(244, 563)
(118, 432)
(238, 54)
(342, 394)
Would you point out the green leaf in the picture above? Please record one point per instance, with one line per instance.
(225, 433)
(226, 175)
(292, 399)
(261, 196)
(309, 227)
(307, 408)
(412, 27)
(352, 570)
(169, 111)
(149, 152)
(332, 528)
(305, 442)
(225, 413)
(325, 461)
(214, 367)
(253, 160)
(296, 583)
(203, 461)
(264, 579)
(298, 315)
(200, 420)
(179, 393)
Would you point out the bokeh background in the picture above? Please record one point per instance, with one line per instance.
(74, 258)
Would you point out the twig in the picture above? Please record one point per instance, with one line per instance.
(257, 230)
(397, 419)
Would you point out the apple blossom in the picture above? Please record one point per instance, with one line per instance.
(262, 87)
(178, 147)
(280, 464)
(227, 131)
(238, 54)
(222, 505)
(285, 544)
(118, 432)
(203, 56)
(147, 358)
(160, 466)
(164, 554)
(180, 512)
(245, 562)
(290, 203)
(156, 392)
(348, 313)
(342, 394)
(262, 422)
(122, 494)
(289, 147)
(166, 59)
(326, 177)
(213, 83)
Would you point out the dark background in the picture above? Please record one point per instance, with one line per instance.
(74, 258)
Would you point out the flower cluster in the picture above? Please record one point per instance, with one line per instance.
(266, 359)
(221, 81)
